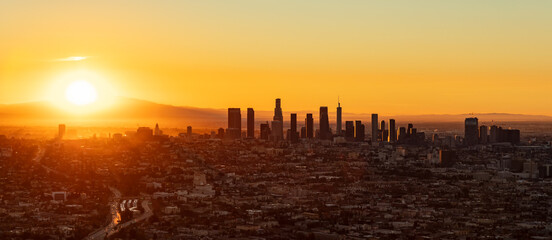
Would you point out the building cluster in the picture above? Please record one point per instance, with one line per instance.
(305, 184)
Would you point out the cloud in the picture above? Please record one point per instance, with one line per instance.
(71, 59)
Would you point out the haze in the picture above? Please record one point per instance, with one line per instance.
(390, 57)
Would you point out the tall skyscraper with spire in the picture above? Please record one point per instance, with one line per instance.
(277, 133)
(338, 120)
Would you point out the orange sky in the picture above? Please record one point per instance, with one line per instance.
(390, 57)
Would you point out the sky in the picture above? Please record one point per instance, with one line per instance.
(390, 57)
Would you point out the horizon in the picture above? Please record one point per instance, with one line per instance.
(394, 58)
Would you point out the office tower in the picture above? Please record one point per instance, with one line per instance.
(144, 133)
(409, 130)
(375, 127)
(189, 131)
(359, 135)
(220, 133)
(349, 130)
(383, 132)
(402, 134)
(392, 131)
(325, 133)
(309, 124)
(338, 123)
(483, 134)
(250, 123)
(493, 136)
(265, 131)
(277, 132)
(471, 131)
(61, 131)
(234, 123)
(303, 132)
(293, 134)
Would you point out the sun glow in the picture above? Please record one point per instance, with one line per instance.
(81, 92)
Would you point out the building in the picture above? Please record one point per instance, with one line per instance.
(234, 123)
(309, 124)
(338, 119)
(61, 131)
(157, 131)
(325, 132)
(144, 133)
(359, 135)
(293, 134)
(349, 130)
(447, 158)
(392, 131)
(189, 131)
(383, 132)
(483, 137)
(265, 131)
(471, 131)
(250, 123)
(375, 127)
(277, 133)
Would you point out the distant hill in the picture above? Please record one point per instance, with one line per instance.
(133, 111)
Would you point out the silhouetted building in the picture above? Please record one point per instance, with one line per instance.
(471, 131)
(325, 133)
(293, 134)
(277, 132)
(447, 158)
(220, 133)
(157, 131)
(483, 134)
(509, 135)
(303, 132)
(61, 131)
(493, 135)
(265, 131)
(409, 130)
(375, 127)
(144, 133)
(338, 119)
(360, 131)
(392, 131)
(349, 130)
(309, 124)
(402, 134)
(234, 123)
(250, 123)
(383, 132)
(189, 131)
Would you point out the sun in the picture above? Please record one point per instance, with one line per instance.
(81, 93)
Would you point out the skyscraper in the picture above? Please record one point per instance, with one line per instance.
(309, 124)
(277, 132)
(265, 131)
(349, 130)
(375, 127)
(189, 131)
(157, 131)
(471, 131)
(359, 128)
(61, 131)
(483, 137)
(325, 133)
(234, 123)
(250, 123)
(383, 132)
(293, 134)
(338, 119)
(392, 131)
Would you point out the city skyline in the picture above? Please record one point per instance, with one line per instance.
(391, 58)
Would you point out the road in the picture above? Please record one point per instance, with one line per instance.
(114, 226)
